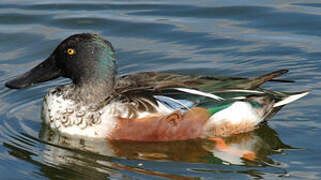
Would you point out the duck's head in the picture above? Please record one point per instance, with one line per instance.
(84, 58)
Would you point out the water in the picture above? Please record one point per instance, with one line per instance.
(229, 38)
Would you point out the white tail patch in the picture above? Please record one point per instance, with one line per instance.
(238, 112)
(290, 99)
(196, 92)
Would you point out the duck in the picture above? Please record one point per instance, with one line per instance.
(146, 106)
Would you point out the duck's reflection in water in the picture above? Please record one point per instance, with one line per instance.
(248, 149)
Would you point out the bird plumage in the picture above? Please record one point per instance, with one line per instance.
(146, 106)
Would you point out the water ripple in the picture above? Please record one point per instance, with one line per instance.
(205, 37)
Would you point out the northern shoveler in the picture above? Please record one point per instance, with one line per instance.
(146, 106)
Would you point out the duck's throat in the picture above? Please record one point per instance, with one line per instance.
(94, 91)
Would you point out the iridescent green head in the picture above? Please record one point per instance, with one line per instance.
(84, 58)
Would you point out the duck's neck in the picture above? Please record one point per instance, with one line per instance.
(93, 91)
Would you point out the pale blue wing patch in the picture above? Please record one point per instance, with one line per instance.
(174, 104)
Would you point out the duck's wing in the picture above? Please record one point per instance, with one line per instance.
(150, 89)
(159, 81)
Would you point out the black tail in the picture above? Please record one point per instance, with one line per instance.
(254, 83)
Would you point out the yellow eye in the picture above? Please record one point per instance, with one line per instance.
(71, 51)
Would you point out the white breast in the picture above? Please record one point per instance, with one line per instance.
(65, 116)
